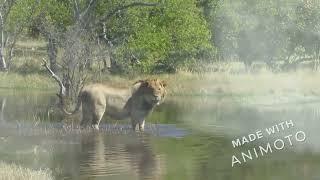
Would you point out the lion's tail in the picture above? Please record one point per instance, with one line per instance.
(62, 105)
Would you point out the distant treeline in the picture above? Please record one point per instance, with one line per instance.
(153, 36)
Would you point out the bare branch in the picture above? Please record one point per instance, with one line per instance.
(88, 9)
(121, 8)
(56, 78)
(76, 9)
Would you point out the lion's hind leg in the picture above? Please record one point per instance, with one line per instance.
(97, 115)
(86, 115)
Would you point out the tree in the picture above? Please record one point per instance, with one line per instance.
(265, 30)
(5, 8)
(14, 16)
(52, 19)
(306, 33)
(75, 36)
(164, 36)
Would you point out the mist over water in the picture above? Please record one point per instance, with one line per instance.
(192, 134)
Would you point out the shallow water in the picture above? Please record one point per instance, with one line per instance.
(185, 138)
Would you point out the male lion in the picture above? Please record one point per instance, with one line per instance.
(95, 100)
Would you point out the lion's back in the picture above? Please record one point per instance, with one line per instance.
(102, 93)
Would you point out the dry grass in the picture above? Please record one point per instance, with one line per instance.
(31, 43)
(183, 83)
(15, 172)
(303, 82)
(246, 84)
(25, 82)
(209, 84)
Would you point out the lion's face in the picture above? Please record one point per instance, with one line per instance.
(152, 90)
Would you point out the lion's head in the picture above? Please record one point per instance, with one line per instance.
(153, 91)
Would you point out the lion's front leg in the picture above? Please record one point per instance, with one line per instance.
(134, 125)
(138, 119)
(141, 125)
(137, 125)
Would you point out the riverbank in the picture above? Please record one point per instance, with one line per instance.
(262, 87)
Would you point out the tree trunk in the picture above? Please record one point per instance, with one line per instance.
(317, 58)
(52, 53)
(113, 66)
(3, 64)
(3, 104)
(10, 56)
(106, 62)
(11, 45)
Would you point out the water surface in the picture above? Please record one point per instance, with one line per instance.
(185, 138)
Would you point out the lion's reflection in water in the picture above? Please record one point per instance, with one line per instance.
(123, 155)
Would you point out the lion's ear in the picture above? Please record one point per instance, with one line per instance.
(139, 82)
(164, 84)
(137, 85)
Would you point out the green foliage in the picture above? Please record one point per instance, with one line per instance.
(161, 34)
(59, 12)
(20, 13)
(181, 33)
(55, 15)
(55, 12)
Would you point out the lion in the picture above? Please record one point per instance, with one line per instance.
(95, 100)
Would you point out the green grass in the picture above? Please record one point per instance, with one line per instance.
(16, 172)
